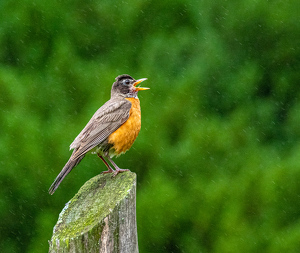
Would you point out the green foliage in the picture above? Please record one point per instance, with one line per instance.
(217, 159)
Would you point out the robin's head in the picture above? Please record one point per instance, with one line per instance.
(126, 86)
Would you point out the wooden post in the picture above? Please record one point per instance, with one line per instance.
(101, 217)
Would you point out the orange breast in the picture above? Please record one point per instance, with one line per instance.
(123, 138)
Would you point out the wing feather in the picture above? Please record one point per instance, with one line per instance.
(105, 121)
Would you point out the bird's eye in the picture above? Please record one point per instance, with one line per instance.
(126, 82)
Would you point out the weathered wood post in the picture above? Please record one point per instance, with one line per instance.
(101, 217)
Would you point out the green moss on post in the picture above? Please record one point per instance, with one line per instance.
(101, 217)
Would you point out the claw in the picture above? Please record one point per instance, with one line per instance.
(108, 171)
(118, 170)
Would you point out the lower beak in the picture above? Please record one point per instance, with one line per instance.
(139, 81)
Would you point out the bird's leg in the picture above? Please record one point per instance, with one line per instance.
(110, 170)
(117, 169)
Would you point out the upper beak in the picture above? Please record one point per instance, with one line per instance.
(139, 81)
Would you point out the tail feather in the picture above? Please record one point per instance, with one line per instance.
(65, 171)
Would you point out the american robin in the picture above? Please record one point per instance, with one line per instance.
(112, 129)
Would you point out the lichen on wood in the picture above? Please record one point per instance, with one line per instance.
(101, 217)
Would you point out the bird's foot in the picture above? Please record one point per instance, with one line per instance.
(118, 170)
(108, 171)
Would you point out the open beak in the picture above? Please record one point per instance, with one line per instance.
(139, 81)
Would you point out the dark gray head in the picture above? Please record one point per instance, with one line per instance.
(125, 86)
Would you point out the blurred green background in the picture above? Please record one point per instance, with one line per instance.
(218, 156)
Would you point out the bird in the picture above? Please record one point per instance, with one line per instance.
(112, 129)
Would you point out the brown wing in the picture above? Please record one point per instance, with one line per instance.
(105, 121)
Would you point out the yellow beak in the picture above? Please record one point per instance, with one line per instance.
(139, 81)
